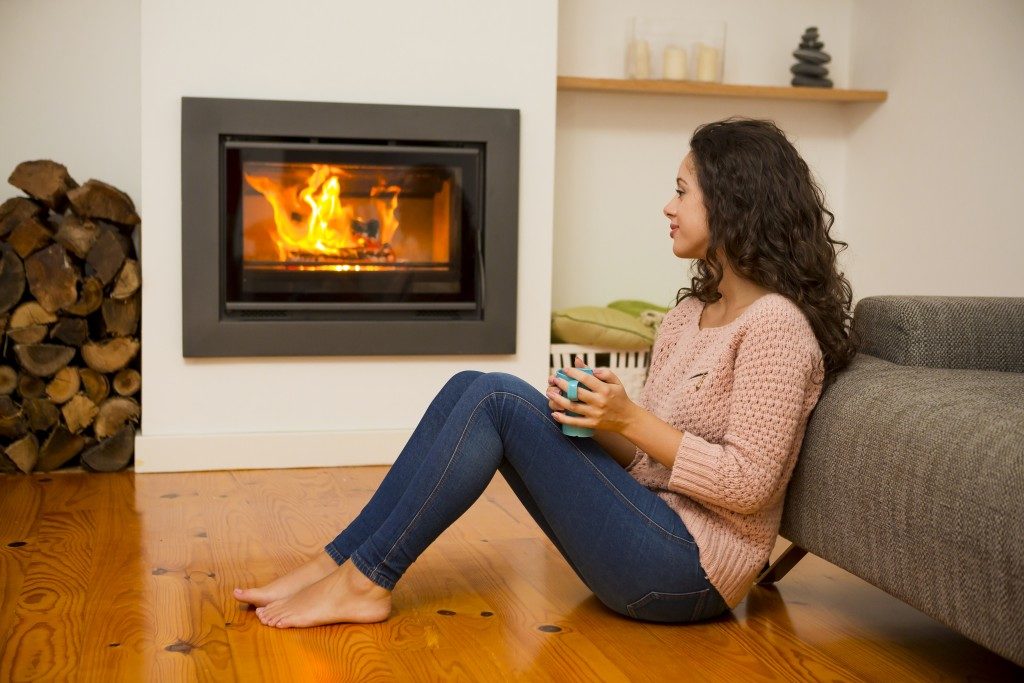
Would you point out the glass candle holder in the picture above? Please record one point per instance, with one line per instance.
(676, 49)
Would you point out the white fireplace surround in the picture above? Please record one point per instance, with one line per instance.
(296, 412)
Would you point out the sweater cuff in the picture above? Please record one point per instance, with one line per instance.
(694, 469)
(637, 457)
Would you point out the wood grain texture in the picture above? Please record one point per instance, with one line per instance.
(129, 577)
(761, 92)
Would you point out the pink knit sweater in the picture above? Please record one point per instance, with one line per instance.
(741, 393)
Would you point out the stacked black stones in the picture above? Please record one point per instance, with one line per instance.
(810, 68)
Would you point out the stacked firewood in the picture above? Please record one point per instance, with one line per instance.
(70, 304)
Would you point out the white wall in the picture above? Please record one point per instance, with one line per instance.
(617, 154)
(457, 53)
(925, 185)
(69, 83)
(936, 175)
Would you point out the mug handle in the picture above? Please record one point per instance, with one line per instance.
(572, 392)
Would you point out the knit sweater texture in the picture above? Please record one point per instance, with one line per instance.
(742, 394)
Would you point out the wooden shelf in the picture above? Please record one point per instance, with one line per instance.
(768, 92)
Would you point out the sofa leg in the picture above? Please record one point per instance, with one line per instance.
(787, 560)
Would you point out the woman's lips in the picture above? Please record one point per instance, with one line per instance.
(672, 230)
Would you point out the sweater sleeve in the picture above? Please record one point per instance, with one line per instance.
(773, 368)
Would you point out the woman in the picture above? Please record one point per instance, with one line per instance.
(670, 510)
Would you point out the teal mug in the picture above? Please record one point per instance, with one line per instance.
(572, 393)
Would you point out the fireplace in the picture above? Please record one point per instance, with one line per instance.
(348, 229)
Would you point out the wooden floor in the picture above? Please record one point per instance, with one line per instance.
(128, 578)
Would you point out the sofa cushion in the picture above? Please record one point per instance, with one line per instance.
(976, 332)
(912, 479)
(602, 327)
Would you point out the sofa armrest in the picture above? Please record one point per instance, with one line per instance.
(978, 333)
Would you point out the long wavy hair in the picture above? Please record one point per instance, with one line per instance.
(768, 217)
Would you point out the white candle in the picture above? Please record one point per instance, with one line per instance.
(639, 59)
(707, 63)
(674, 64)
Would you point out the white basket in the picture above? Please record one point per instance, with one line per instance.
(629, 366)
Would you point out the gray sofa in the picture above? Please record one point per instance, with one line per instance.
(912, 469)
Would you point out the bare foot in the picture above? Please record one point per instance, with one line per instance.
(289, 584)
(346, 596)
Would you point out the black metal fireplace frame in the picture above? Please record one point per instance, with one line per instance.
(208, 332)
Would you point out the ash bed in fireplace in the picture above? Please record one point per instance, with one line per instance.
(348, 229)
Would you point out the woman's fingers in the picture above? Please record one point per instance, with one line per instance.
(586, 380)
(558, 402)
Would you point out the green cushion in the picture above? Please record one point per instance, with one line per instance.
(635, 307)
(599, 326)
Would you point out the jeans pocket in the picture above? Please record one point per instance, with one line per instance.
(670, 607)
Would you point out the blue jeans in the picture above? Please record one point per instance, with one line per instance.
(622, 540)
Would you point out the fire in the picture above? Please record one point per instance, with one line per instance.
(314, 220)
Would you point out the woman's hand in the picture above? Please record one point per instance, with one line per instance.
(603, 403)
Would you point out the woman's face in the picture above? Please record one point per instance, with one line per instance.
(688, 220)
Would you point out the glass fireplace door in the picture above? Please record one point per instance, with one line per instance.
(371, 230)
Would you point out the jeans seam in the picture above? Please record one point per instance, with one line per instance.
(651, 596)
(372, 574)
(433, 493)
(612, 486)
(334, 554)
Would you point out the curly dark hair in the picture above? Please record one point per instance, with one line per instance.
(768, 216)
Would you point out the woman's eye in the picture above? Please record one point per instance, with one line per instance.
(679, 193)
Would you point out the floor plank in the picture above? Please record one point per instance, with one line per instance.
(129, 577)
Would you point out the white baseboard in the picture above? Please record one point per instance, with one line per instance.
(269, 450)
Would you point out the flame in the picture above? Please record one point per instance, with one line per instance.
(316, 221)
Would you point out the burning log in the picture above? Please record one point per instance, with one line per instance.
(70, 302)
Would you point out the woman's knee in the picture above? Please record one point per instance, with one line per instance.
(503, 382)
(461, 381)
